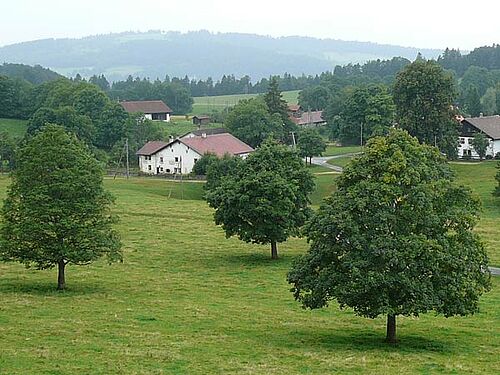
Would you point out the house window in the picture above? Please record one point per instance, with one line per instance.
(161, 159)
(161, 169)
(195, 160)
(462, 140)
(176, 159)
(149, 167)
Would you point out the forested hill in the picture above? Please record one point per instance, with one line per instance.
(33, 74)
(198, 54)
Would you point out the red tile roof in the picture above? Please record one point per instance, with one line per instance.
(151, 148)
(314, 117)
(146, 106)
(218, 144)
(293, 107)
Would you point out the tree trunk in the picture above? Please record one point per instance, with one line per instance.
(274, 250)
(61, 281)
(391, 329)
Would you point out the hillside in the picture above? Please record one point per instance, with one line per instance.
(197, 54)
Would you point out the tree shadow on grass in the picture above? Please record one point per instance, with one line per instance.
(47, 288)
(257, 259)
(366, 341)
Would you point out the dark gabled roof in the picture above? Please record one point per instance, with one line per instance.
(151, 148)
(146, 106)
(208, 131)
(313, 117)
(218, 144)
(489, 125)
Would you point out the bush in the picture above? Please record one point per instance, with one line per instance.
(201, 166)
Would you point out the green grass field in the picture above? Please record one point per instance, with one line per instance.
(206, 104)
(186, 300)
(332, 150)
(179, 125)
(16, 128)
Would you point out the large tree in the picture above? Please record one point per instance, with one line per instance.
(251, 122)
(472, 101)
(395, 238)
(265, 199)
(274, 100)
(57, 211)
(424, 94)
(480, 144)
(310, 144)
(366, 111)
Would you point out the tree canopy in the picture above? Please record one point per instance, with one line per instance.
(251, 122)
(265, 199)
(424, 95)
(364, 112)
(310, 144)
(480, 144)
(395, 238)
(57, 211)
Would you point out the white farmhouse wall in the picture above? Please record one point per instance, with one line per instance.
(175, 158)
(148, 116)
(465, 148)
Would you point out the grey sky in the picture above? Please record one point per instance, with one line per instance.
(417, 23)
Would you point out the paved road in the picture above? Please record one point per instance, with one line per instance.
(323, 161)
(495, 271)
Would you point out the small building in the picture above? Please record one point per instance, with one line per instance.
(180, 155)
(294, 110)
(153, 109)
(201, 120)
(308, 119)
(489, 126)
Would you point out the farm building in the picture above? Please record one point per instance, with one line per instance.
(180, 155)
(201, 120)
(152, 109)
(294, 110)
(489, 126)
(309, 119)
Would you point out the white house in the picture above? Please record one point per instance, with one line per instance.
(489, 126)
(180, 155)
(152, 109)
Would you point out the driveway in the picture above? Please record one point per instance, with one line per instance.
(323, 161)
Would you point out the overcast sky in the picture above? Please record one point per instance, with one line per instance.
(417, 23)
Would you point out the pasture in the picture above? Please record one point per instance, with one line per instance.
(205, 104)
(186, 300)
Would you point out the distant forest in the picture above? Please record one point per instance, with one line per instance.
(477, 76)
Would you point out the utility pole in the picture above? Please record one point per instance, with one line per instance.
(361, 135)
(293, 140)
(126, 153)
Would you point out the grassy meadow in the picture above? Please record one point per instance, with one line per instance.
(205, 104)
(186, 300)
